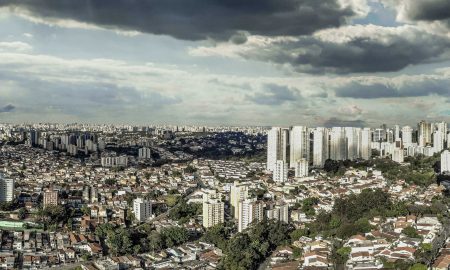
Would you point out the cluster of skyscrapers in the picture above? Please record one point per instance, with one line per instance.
(298, 147)
(72, 143)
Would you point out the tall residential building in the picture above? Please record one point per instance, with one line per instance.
(250, 210)
(424, 133)
(280, 174)
(6, 188)
(94, 195)
(338, 144)
(320, 146)
(120, 161)
(352, 135)
(438, 141)
(299, 144)
(407, 132)
(145, 153)
(301, 168)
(277, 143)
(142, 209)
(50, 198)
(397, 133)
(365, 144)
(379, 135)
(213, 210)
(445, 161)
(278, 212)
(442, 128)
(398, 155)
(238, 192)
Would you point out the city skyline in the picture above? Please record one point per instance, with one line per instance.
(260, 62)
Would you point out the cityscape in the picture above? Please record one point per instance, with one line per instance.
(198, 197)
(225, 134)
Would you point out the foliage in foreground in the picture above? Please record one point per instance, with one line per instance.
(248, 249)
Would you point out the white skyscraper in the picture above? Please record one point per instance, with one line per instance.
(320, 146)
(238, 192)
(338, 144)
(301, 168)
(277, 142)
(250, 211)
(424, 133)
(6, 188)
(299, 144)
(438, 141)
(213, 210)
(445, 161)
(396, 133)
(397, 155)
(142, 209)
(280, 174)
(442, 128)
(365, 144)
(352, 135)
(407, 136)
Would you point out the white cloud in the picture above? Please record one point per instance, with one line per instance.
(15, 46)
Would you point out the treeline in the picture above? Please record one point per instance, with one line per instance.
(350, 215)
(185, 211)
(420, 171)
(122, 241)
(248, 249)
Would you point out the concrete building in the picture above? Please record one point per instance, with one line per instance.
(299, 144)
(142, 209)
(6, 188)
(250, 210)
(278, 212)
(213, 210)
(145, 153)
(352, 138)
(320, 146)
(398, 155)
(121, 161)
(301, 168)
(50, 198)
(238, 193)
(407, 136)
(424, 133)
(280, 174)
(338, 144)
(365, 140)
(445, 161)
(438, 141)
(277, 143)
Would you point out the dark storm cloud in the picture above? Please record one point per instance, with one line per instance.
(336, 122)
(411, 89)
(196, 19)
(7, 108)
(429, 10)
(380, 52)
(274, 94)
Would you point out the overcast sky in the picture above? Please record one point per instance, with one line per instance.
(235, 62)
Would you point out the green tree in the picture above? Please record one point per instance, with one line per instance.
(419, 266)
(410, 232)
(155, 241)
(22, 213)
(173, 236)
